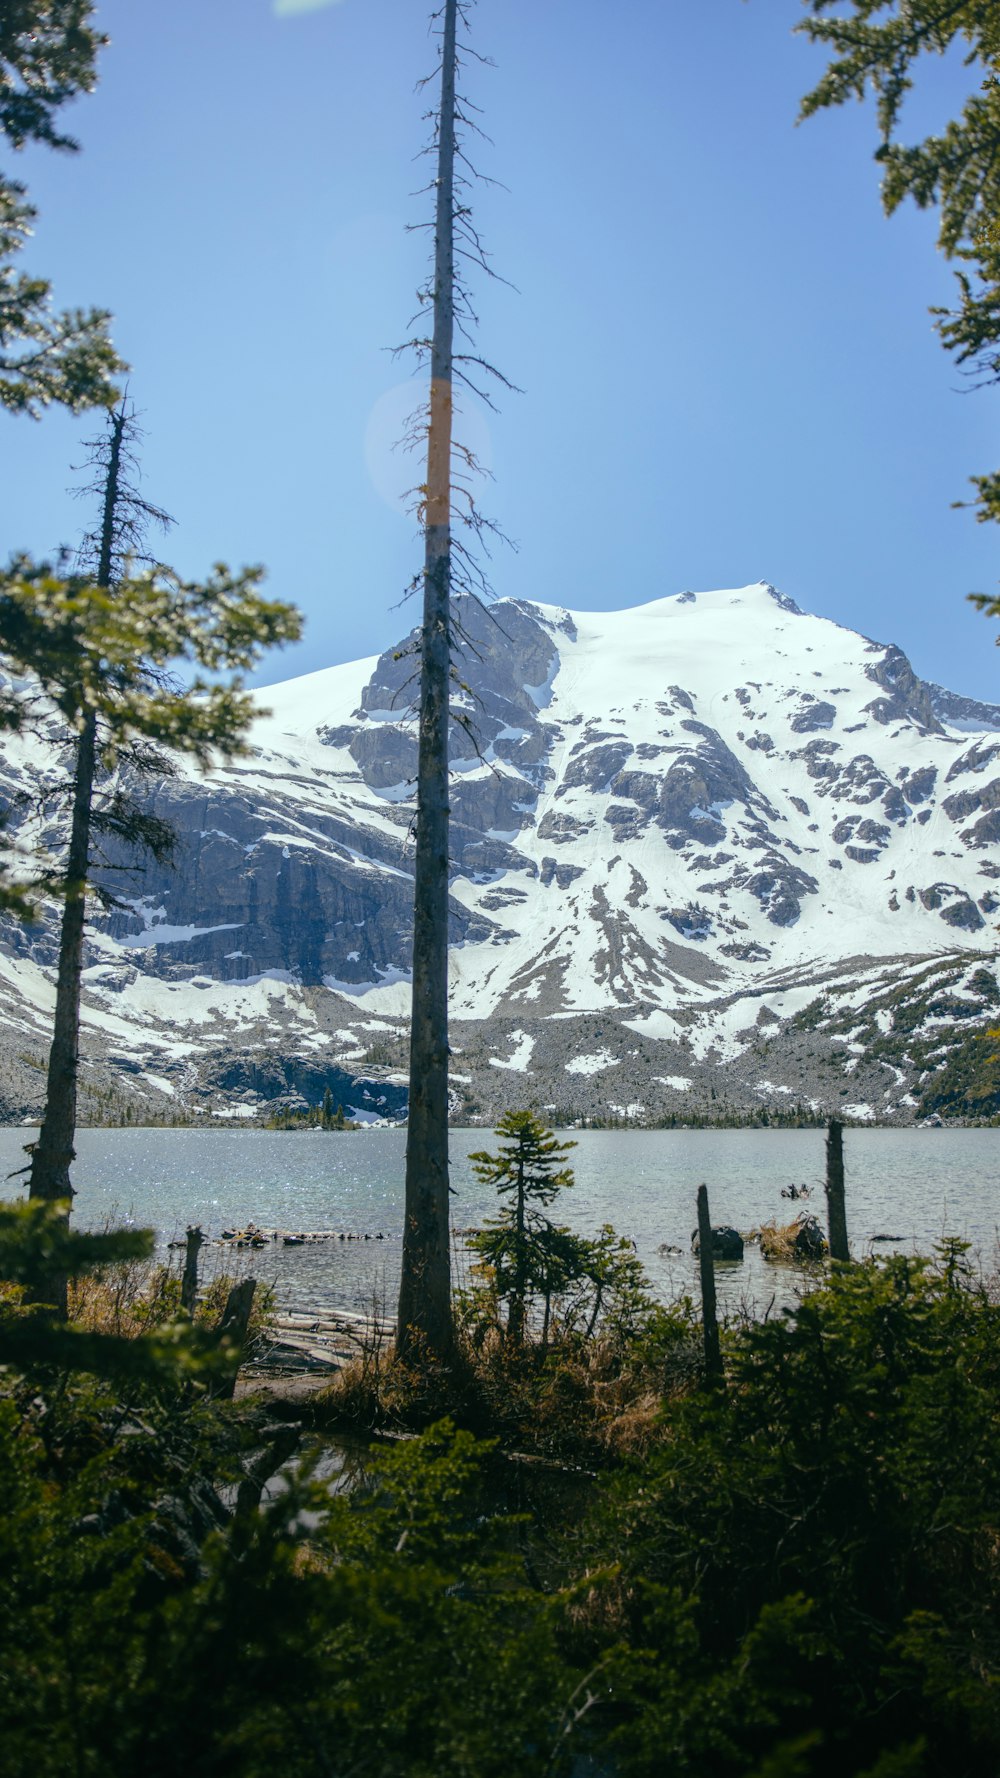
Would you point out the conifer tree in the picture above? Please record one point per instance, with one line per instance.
(877, 46)
(529, 1173)
(99, 645)
(48, 52)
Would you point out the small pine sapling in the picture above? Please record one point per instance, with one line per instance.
(520, 1246)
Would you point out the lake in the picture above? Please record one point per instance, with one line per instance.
(917, 1184)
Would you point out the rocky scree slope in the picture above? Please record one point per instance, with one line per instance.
(709, 855)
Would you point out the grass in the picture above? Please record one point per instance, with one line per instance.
(578, 1401)
(795, 1241)
(134, 1297)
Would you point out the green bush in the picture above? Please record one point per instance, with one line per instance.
(810, 1562)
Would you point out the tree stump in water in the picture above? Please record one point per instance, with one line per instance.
(710, 1326)
(189, 1282)
(836, 1210)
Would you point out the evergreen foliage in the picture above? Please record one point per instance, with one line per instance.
(808, 1565)
(100, 646)
(314, 1117)
(36, 1244)
(794, 1579)
(540, 1272)
(521, 1248)
(48, 52)
(957, 170)
(112, 651)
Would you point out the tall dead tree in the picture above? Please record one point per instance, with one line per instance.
(424, 1322)
(425, 1286)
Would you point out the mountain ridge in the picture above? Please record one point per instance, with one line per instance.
(665, 822)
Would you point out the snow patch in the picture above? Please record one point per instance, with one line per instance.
(592, 1064)
(161, 1083)
(519, 1058)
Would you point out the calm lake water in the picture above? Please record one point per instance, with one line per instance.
(917, 1184)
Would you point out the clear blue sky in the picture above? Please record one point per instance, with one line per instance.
(728, 366)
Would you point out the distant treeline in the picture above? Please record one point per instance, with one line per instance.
(762, 1117)
(324, 1116)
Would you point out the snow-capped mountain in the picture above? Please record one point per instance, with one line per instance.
(694, 844)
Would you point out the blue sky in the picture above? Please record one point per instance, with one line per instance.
(728, 368)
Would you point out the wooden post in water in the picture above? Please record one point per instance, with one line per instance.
(835, 1209)
(189, 1282)
(710, 1326)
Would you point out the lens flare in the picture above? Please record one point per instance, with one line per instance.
(286, 9)
(395, 470)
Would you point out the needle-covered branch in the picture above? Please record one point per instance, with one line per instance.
(48, 51)
(45, 356)
(114, 652)
(48, 54)
(878, 46)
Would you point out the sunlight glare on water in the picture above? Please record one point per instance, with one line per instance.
(917, 1185)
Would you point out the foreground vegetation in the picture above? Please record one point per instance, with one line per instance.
(791, 1575)
(789, 1571)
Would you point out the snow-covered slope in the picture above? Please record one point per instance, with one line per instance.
(671, 826)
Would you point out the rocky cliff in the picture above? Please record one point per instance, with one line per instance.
(708, 853)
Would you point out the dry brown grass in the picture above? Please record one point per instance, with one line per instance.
(577, 1402)
(133, 1297)
(785, 1241)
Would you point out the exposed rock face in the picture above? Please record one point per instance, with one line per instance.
(661, 821)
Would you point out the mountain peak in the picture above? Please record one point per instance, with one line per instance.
(664, 820)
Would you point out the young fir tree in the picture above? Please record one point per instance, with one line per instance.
(48, 51)
(100, 648)
(522, 1247)
(424, 1321)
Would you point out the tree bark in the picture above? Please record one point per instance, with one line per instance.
(189, 1282)
(515, 1319)
(710, 1326)
(53, 1153)
(425, 1325)
(835, 1205)
(233, 1327)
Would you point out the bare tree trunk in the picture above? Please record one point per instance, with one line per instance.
(835, 1206)
(710, 1326)
(595, 1312)
(515, 1319)
(189, 1282)
(424, 1320)
(54, 1152)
